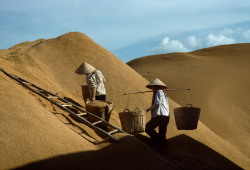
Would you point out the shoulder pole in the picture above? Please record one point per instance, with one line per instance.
(152, 91)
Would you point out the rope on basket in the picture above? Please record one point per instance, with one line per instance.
(187, 98)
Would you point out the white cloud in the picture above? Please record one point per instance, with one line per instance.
(246, 35)
(192, 41)
(172, 45)
(197, 41)
(213, 40)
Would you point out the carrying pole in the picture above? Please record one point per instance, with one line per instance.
(152, 91)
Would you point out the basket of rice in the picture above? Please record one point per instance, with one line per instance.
(133, 121)
(186, 118)
(99, 108)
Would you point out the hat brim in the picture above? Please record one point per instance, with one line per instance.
(158, 86)
(85, 68)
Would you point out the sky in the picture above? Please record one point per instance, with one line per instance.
(129, 28)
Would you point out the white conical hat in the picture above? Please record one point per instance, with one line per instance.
(156, 82)
(85, 68)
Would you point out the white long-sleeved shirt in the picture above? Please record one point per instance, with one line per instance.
(96, 80)
(161, 101)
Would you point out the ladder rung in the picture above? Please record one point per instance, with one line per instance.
(52, 97)
(66, 105)
(96, 122)
(113, 131)
(27, 83)
(81, 114)
(40, 90)
(14, 76)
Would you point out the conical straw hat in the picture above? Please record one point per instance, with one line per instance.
(85, 68)
(156, 82)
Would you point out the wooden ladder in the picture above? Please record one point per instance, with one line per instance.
(78, 112)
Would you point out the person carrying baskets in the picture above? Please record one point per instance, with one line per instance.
(159, 112)
(95, 81)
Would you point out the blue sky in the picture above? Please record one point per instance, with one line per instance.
(129, 28)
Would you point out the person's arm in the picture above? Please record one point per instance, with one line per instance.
(152, 107)
(156, 102)
(92, 87)
(92, 94)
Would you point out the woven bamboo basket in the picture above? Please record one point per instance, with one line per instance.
(99, 108)
(133, 122)
(186, 118)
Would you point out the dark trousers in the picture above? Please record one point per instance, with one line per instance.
(162, 122)
(101, 97)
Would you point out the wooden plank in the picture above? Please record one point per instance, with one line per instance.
(28, 83)
(81, 114)
(66, 105)
(53, 97)
(97, 122)
(113, 131)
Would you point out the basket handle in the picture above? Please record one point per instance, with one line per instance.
(126, 110)
(137, 108)
(189, 105)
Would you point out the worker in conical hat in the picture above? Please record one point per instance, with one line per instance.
(159, 112)
(95, 81)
